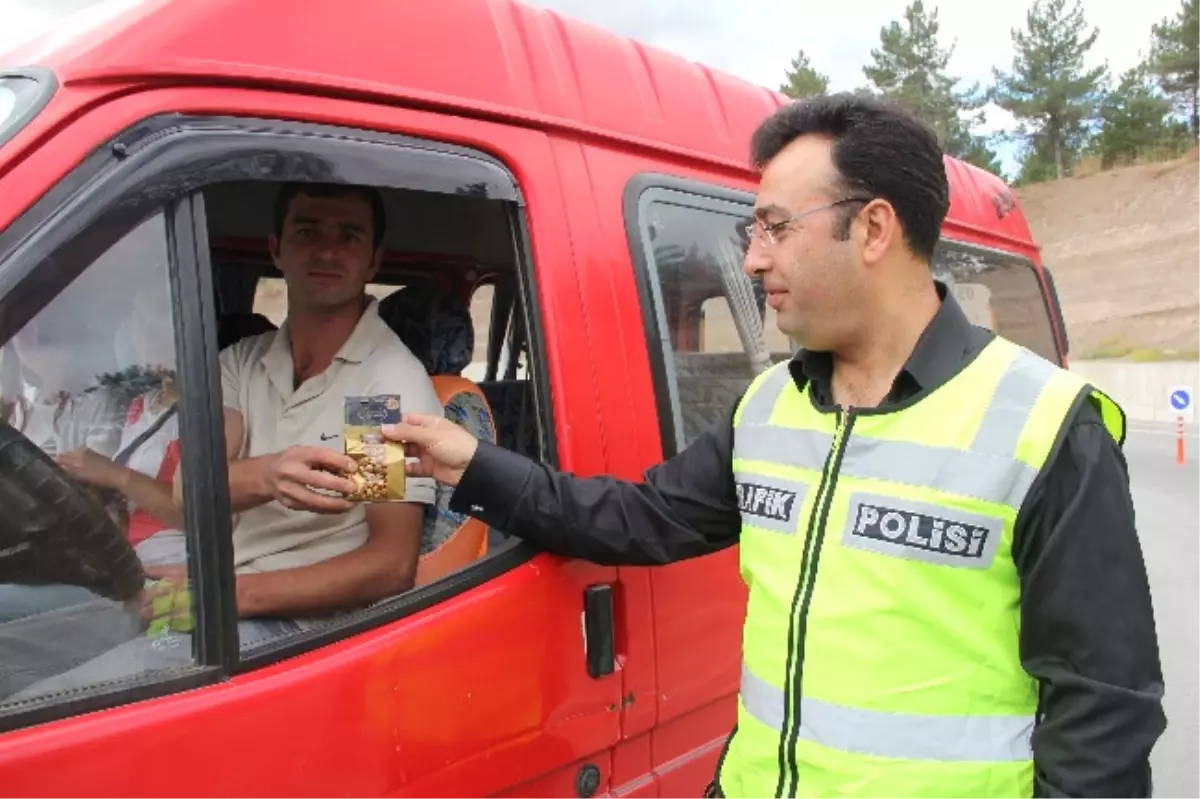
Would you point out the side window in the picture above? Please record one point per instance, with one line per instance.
(93, 556)
(998, 291)
(713, 328)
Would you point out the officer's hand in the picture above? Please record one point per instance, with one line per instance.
(442, 449)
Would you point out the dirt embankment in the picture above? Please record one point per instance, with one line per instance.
(1124, 247)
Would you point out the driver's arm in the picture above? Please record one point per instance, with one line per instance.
(249, 483)
(248, 487)
(386, 564)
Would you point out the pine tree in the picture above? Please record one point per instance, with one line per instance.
(1135, 118)
(803, 81)
(1175, 59)
(910, 68)
(1049, 87)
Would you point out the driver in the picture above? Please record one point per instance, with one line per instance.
(302, 556)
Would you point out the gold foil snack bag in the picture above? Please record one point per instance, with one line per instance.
(380, 474)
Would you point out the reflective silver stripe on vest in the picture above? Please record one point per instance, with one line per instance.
(955, 471)
(756, 408)
(905, 736)
(989, 478)
(1017, 392)
(988, 471)
(806, 449)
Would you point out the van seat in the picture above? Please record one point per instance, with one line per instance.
(512, 402)
(434, 325)
(437, 328)
(233, 327)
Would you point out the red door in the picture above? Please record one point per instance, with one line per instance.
(476, 686)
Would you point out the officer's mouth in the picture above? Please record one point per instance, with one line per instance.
(776, 298)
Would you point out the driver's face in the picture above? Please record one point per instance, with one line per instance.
(326, 252)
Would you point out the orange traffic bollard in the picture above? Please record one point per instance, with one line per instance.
(1180, 456)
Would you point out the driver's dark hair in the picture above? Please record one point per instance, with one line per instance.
(880, 150)
(289, 192)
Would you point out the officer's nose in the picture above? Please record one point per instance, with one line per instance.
(757, 259)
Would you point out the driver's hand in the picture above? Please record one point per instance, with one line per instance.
(292, 475)
(91, 467)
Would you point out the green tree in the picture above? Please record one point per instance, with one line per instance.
(910, 68)
(1049, 88)
(1135, 118)
(803, 81)
(1175, 59)
(1036, 165)
(982, 155)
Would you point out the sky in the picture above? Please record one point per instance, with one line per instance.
(757, 39)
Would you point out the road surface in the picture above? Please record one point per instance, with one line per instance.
(1165, 500)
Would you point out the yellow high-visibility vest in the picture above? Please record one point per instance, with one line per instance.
(880, 649)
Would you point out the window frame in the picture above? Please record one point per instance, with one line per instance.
(1007, 258)
(211, 661)
(641, 190)
(167, 159)
(1061, 339)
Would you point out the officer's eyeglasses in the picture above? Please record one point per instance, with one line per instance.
(759, 230)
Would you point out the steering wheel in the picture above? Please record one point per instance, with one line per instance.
(52, 531)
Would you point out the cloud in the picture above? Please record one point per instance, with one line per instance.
(20, 21)
(756, 39)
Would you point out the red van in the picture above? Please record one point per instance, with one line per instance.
(581, 195)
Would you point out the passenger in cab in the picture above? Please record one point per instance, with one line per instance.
(141, 465)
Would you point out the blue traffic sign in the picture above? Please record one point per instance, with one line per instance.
(1181, 398)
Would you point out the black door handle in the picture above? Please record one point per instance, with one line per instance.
(599, 637)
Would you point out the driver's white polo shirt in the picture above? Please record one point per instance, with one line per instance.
(256, 378)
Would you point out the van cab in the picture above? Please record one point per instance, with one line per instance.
(566, 211)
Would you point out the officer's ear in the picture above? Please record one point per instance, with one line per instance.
(878, 230)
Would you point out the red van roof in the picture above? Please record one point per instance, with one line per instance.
(493, 58)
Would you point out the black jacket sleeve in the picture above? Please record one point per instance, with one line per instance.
(1087, 631)
(685, 507)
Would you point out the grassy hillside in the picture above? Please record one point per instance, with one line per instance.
(1124, 247)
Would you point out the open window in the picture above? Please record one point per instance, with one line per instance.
(168, 263)
(451, 289)
(711, 331)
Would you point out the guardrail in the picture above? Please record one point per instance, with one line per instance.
(1142, 389)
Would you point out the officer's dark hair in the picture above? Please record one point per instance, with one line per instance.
(289, 192)
(880, 150)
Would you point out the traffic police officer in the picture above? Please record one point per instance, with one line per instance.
(947, 595)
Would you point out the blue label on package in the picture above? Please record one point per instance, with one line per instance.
(372, 411)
